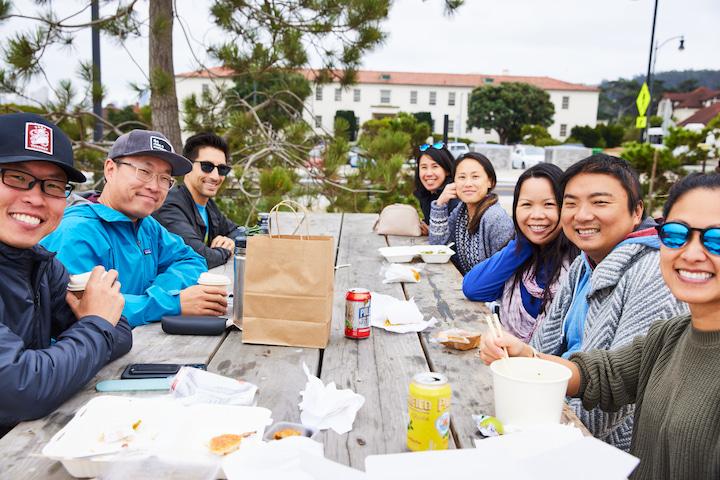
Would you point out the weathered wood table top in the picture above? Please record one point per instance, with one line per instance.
(380, 368)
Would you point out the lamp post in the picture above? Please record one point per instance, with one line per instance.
(657, 47)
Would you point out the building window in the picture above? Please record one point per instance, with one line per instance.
(338, 94)
(489, 80)
(488, 131)
(413, 97)
(565, 103)
(318, 93)
(563, 130)
(384, 96)
(433, 98)
(451, 126)
(451, 98)
(318, 121)
(206, 89)
(356, 95)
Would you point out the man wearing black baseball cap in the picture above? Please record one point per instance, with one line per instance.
(37, 374)
(158, 272)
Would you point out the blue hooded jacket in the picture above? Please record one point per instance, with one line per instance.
(153, 264)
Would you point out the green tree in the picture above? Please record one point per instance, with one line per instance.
(507, 107)
(352, 123)
(686, 145)
(425, 117)
(617, 98)
(537, 135)
(667, 171)
(588, 136)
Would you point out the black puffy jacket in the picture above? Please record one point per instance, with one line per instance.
(46, 354)
(181, 217)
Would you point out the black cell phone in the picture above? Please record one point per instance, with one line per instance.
(156, 370)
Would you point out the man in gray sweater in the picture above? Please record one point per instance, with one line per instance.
(614, 290)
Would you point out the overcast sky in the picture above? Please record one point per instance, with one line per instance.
(582, 41)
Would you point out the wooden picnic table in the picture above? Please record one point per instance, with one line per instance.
(379, 368)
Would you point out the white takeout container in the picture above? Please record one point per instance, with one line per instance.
(529, 391)
(398, 254)
(168, 430)
(441, 254)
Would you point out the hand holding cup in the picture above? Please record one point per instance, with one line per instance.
(100, 296)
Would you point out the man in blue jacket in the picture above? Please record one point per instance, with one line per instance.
(158, 272)
(51, 343)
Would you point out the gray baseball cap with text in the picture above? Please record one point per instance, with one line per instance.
(154, 144)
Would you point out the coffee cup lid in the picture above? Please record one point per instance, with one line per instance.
(213, 279)
(78, 282)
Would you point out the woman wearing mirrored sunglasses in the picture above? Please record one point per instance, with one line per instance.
(433, 171)
(478, 225)
(672, 374)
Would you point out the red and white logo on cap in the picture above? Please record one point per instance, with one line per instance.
(38, 137)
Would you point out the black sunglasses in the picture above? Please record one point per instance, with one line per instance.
(677, 235)
(208, 167)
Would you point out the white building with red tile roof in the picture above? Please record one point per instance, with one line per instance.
(380, 93)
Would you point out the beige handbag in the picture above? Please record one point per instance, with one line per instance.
(398, 219)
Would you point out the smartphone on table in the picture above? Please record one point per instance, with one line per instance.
(156, 370)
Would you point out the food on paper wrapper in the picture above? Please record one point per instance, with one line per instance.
(286, 432)
(401, 273)
(227, 443)
(459, 339)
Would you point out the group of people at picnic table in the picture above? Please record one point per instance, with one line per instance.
(584, 276)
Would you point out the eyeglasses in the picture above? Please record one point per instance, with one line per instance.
(208, 167)
(436, 146)
(25, 181)
(677, 235)
(165, 181)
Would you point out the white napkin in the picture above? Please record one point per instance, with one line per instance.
(298, 458)
(398, 316)
(324, 406)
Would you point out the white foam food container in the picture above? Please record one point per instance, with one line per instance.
(167, 429)
(436, 253)
(399, 254)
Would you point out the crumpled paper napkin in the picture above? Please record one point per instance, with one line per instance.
(398, 316)
(324, 406)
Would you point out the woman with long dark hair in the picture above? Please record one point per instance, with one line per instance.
(434, 169)
(670, 373)
(526, 273)
(478, 226)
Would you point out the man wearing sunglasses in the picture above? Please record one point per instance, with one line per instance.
(51, 343)
(158, 272)
(190, 210)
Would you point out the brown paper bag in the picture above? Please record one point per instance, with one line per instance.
(288, 295)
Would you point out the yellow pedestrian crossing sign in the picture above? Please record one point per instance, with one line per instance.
(643, 100)
(640, 122)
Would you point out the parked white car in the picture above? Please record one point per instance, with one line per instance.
(457, 149)
(526, 156)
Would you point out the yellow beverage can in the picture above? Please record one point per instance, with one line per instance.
(429, 410)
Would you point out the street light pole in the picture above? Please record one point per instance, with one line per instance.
(648, 78)
(681, 47)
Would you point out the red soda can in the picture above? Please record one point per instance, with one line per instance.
(357, 313)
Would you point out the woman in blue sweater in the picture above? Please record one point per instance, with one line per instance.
(526, 273)
(478, 226)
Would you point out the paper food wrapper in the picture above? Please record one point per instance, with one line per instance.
(458, 339)
(398, 316)
(324, 406)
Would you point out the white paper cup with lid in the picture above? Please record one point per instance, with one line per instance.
(77, 284)
(214, 280)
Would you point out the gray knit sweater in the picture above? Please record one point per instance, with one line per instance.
(672, 376)
(627, 294)
(494, 232)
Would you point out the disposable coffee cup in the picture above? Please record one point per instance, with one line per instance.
(77, 284)
(214, 280)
